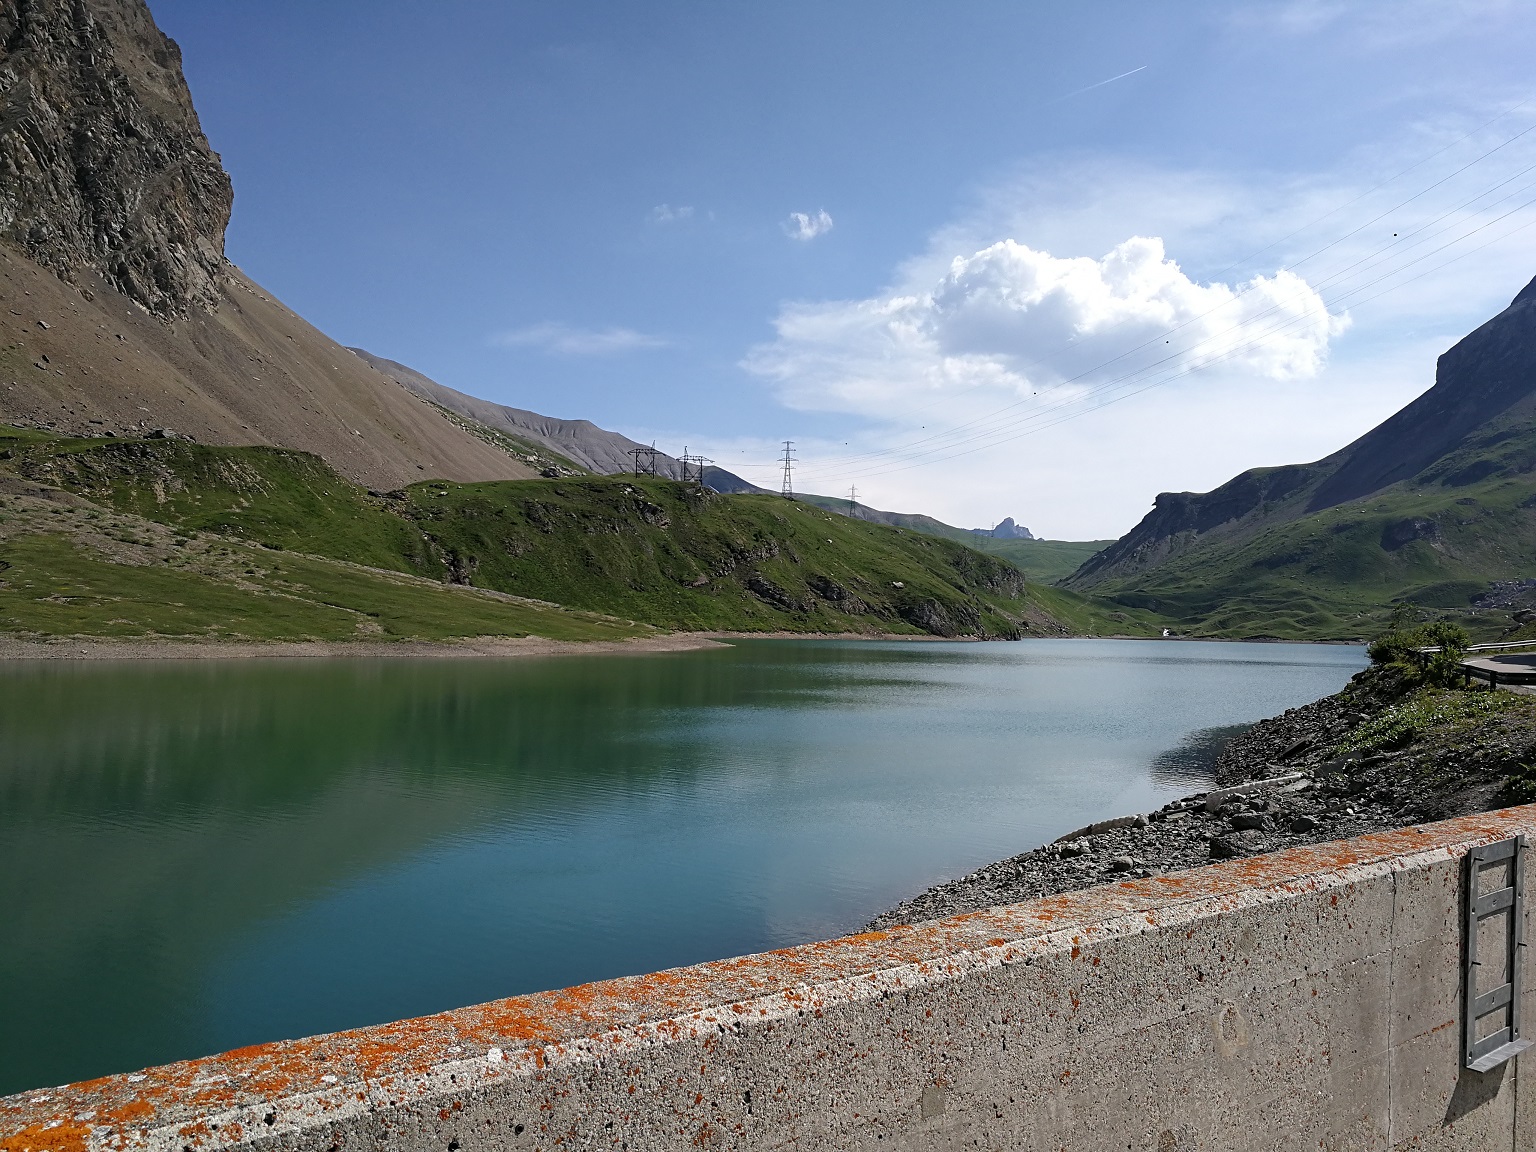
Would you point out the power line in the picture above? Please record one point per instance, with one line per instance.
(788, 488)
(693, 467)
(988, 437)
(645, 459)
(997, 436)
(1054, 414)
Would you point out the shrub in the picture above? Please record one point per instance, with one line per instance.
(1398, 645)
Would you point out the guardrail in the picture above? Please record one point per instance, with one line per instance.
(1431, 649)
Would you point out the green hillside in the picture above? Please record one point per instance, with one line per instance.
(649, 550)
(1435, 506)
(687, 558)
(1044, 560)
(1336, 574)
(282, 498)
(59, 583)
(912, 521)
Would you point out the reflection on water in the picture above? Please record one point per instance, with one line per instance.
(198, 856)
(1191, 763)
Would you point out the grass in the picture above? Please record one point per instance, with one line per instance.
(681, 557)
(1044, 560)
(73, 568)
(1436, 540)
(403, 609)
(1450, 712)
(1337, 574)
(646, 550)
(281, 498)
(54, 586)
(1091, 616)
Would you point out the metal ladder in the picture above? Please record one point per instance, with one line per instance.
(1503, 1043)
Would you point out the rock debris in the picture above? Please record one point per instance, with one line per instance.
(1380, 754)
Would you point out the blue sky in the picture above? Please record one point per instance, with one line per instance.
(924, 241)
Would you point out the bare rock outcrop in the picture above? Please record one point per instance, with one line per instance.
(103, 163)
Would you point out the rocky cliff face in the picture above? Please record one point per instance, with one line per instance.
(121, 315)
(1481, 377)
(1180, 520)
(103, 163)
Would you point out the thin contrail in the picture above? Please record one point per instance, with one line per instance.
(1100, 84)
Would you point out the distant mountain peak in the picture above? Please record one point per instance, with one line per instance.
(1006, 529)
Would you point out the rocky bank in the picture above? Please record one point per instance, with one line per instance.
(1383, 753)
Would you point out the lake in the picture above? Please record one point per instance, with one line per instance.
(199, 855)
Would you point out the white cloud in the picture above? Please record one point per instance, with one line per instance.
(566, 340)
(956, 388)
(807, 226)
(1013, 323)
(667, 214)
(953, 389)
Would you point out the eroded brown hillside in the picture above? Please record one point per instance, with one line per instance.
(118, 311)
(250, 371)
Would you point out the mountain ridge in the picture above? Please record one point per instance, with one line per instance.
(1434, 507)
(1484, 376)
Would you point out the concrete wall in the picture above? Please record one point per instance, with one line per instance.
(1304, 1000)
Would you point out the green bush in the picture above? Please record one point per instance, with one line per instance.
(1399, 645)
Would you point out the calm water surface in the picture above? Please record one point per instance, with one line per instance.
(199, 856)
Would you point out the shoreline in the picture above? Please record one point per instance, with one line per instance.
(923, 636)
(475, 648)
(16, 648)
(1325, 771)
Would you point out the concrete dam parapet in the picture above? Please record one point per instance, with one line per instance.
(1309, 999)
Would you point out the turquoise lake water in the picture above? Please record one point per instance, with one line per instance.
(196, 856)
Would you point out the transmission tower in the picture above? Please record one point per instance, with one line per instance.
(853, 500)
(645, 460)
(788, 489)
(693, 467)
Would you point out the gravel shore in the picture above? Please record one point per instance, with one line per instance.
(1375, 756)
(481, 647)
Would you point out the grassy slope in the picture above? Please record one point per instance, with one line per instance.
(1335, 574)
(1043, 560)
(72, 567)
(282, 498)
(648, 550)
(54, 585)
(658, 551)
(915, 522)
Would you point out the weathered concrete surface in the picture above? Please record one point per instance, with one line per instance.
(1302, 1000)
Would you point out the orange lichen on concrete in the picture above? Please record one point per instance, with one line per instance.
(527, 1032)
